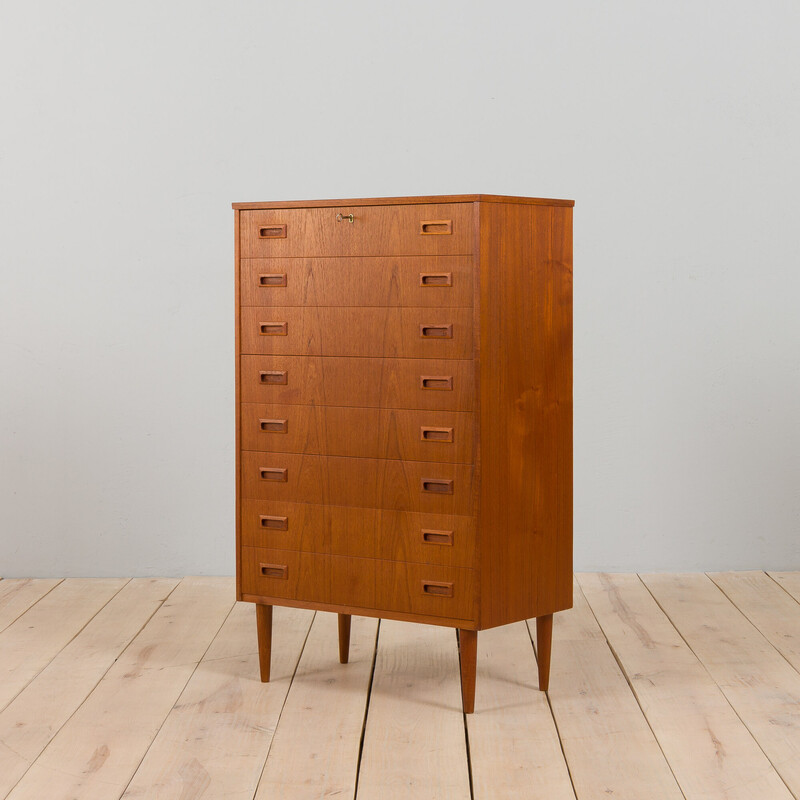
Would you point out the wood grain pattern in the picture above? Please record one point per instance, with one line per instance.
(711, 753)
(513, 743)
(358, 582)
(525, 412)
(362, 482)
(93, 757)
(345, 331)
(316, 746)
(18, 595)
(358, 432)
(28, 644)
(609, 747)
(38, 712)
(362, 532)
(415, 718)
(761, 686)
(363, 281)
(358, 382)
(215, 739)
(376, 231)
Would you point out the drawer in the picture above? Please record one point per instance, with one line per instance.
(359, 532)
(433, 281)
(359, 432)
(431, 384)
(363, 482)
(434, 229)
(282, 573)
(426, 589)
(387, 332)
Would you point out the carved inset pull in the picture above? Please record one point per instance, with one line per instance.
(272, 232)
(435, 226)
(436, 434)
(436, 486)
(273, 425)
(273, 328)
(441, 382)
(272, 279)
(277, 377)
(274, 571)
(274, 523)
(437, 537)
(275, 474)
(436, 279)
(436, 331)
(437, 588)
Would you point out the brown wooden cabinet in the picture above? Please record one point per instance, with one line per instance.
(404, 412)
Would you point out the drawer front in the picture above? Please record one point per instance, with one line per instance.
(359, 432)
(432, 281)
(432, 384)
(359, 532)
(360, 582)
(372, 332)
(282, 573)
(435, 229)
(421, 486)
(427, 589)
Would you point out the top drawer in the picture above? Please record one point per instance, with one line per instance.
(436, 229)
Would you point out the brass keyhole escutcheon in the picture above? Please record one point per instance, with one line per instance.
(343, 217)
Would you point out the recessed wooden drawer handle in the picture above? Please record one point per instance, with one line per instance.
(273, 474)
(438, 588)
(437, 537)
(272, 232)
(273, 376)
(274, 523)
(274, 571)
(272, 279)
(436, 226)
(436, 486)
(273, 425)
(436, 331)
(436, 434)
(442, 382)
(436, 279)
(273, 328)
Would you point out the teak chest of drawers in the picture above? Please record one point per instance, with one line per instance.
(404, 413)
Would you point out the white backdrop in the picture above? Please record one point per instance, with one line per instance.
(128, 129)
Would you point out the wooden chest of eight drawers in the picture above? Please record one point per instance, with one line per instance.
(404, 412)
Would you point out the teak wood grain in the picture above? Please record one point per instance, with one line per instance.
(374, 231)
(406, 434)
(432, 384)
(411, 281)
(362, 532)
(372, 332)
(404, 409)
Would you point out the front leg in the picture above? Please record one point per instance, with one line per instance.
(264, 628)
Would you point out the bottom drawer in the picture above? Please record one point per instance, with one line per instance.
(425, 589)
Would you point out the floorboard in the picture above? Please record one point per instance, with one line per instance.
(17, 595)
(316, 746)
(610, 748)
(762, 687)
(711, 752)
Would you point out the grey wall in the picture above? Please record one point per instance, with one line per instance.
(129, 129)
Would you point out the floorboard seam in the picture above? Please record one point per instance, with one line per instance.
(633, 692)
(366, 708)
(32, 604)
(722, 691)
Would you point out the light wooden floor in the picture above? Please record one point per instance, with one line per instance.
(662, 687)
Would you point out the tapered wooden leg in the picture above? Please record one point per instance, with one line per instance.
(264, 626)
(344, 638)
(468, 650)
(544, 640)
